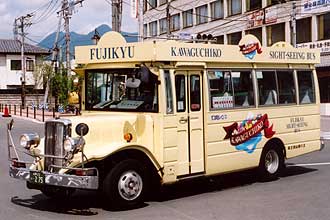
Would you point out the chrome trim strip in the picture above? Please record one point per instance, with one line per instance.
(64, 180)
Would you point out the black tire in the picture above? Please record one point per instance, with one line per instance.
(125, 185)
(57, 192)
(271, 163)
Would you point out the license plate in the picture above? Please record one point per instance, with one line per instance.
(37, 177)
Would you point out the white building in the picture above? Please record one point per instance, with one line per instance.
(229, 20)
(10, 64)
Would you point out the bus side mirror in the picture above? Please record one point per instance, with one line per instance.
(82, 129)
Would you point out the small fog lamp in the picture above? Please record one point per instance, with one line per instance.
(128, 137)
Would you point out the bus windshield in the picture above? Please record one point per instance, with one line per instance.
(122, 90)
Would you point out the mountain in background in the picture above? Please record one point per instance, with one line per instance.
(81, 39)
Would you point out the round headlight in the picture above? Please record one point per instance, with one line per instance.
(23, 141)
(68, 145)
(29, 140)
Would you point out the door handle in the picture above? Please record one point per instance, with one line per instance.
(183, 120)
(193, 118)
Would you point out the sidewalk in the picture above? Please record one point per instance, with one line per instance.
(29, 113)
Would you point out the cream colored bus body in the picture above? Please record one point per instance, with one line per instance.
(184, 144)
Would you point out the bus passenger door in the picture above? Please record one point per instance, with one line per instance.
(189, 106)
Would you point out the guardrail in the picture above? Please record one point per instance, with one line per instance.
(39, 113)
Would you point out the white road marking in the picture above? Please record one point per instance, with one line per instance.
(310, 164)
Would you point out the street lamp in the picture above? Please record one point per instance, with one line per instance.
(95, 39)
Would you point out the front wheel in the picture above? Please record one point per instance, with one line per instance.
(271, 163)
(125, 185)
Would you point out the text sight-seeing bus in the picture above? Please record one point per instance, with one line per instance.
(159, 112)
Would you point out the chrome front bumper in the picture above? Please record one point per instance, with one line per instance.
(54, 179)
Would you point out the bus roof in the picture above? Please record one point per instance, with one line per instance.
(113, 48)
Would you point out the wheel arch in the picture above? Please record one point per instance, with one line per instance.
(275, 142)
(136, 152)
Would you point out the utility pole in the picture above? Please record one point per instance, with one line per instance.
(67, 10)
(23, 22)
(293, 25)
(168, 18)
(117, 9)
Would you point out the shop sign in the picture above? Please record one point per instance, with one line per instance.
(256, 19)
(315, 5)
(323, 45)
(271, 15)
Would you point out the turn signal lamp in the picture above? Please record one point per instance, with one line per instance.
(128, 137)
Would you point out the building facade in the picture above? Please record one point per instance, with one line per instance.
(11, 74)
(228, 20)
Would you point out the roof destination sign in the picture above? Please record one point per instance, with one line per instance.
(113, 48)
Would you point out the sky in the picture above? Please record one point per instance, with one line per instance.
(85, 19)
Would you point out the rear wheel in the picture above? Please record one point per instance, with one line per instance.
(125, 185)
(271, 162)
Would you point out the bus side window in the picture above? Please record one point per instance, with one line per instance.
(220, 88)
(180, 89)
(243, 88)
(306, 87)
(267, 87)
(168, 92)
(286, 88)
(195, 93)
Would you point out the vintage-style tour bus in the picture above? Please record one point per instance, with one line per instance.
(160, 112)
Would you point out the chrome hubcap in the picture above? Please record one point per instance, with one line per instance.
(130, 185)
(272, 161)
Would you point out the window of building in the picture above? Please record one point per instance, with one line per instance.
(195, 93)
(304, 28)
(162, 2)
(323, 26)
(162, 26)
(201, 14)
(324, 88)
(175, 22)
(274, 2)
(29, 65)
(217, 10)
(15, 65)
(153, 28)
(306, 87)
(230, 89)
(234, 38)
(276, 87)
(253, 4)
(234, 7)
(145, 30)
(275, 33)
(152, 3)
(187, 18)
(219, 39)
(168, 92)
(256, 32)
(180, 89)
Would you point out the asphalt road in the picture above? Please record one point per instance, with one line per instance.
(302, 193)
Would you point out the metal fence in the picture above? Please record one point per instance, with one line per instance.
(28, 111)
